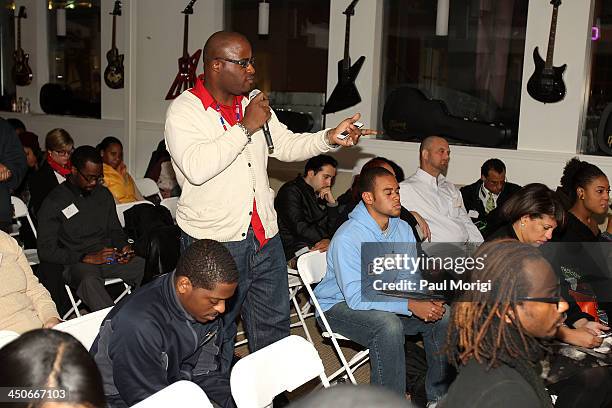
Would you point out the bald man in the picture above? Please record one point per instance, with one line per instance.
(434, 197)
(219, 153)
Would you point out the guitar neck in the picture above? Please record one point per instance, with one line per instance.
(18, 33)
(551, 38)
(186, 37)
(347, 36)
(114, 31)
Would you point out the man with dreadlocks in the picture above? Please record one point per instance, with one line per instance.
(494, 337)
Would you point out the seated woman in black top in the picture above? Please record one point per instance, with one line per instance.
(54, 168)
(531, 215)
(583, 258)
(352, 196)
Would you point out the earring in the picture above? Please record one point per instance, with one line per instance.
(582, 197)
(522, 225)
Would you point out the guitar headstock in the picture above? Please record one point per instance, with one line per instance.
(22, 12)
(350, 10)
(189, 8)
(116, 9)
(555, 3)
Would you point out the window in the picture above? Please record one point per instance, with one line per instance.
(474, 72)
(292, 60)
(597, 134)
(74, 57)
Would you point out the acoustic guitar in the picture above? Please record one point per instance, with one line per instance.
(345, 94)
(21, 69)
(188, 64)
(114, 72)
(546, 84)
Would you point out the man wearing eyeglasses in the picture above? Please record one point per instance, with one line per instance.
(78, 228)
(214, 135)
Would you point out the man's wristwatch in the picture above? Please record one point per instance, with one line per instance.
(245, 130)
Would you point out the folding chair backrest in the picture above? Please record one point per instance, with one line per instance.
(84, 328)
(147, 187)
(282, 366)
(21, 210)
(121, 208)
(312, 267)
(179, 394)
(170, 203)
(6, 336)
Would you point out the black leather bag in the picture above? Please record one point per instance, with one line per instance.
(156, 238)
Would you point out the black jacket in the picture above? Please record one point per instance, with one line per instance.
(13, 157)
(149, 341)
(501, 387)
(66, 239)
(42, 182)
(487, 223)
(302, 220)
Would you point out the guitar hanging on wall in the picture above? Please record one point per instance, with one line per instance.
(546, 84)
(21, 69)
(187, 64)
(114, 73)
(345, 94)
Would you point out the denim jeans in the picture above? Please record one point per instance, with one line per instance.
(262, 295)
(383, 333)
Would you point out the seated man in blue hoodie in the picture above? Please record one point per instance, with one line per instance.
(169, 330)
(381, 325)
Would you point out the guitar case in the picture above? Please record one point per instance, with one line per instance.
(55, 99)
(409, 115)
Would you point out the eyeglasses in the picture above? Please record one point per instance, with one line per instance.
(550, 300)
(244, 63)
(92, 179)
(63, 153)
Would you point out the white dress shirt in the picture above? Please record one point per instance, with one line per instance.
(440, 203)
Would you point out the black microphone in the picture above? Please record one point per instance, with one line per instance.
(266, 128)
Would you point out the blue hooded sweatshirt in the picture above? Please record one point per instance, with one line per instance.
(342, 281)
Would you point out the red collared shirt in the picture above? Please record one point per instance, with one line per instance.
(231, 115)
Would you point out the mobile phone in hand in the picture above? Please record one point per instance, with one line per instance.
(345, 134)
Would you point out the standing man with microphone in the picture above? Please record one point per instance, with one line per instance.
(220, 156)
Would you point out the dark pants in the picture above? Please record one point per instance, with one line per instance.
(89, 280)
(262, 295)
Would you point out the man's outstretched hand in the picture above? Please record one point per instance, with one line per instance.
(354, 133)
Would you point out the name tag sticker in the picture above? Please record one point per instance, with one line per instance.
(70, 211)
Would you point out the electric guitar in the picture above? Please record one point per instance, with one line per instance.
(345, 94)
(21, 69)
(187, 64)
(113, 74)
(546, 84)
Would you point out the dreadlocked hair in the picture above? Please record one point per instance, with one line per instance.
(478, 328)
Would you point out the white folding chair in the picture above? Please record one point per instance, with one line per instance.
(148, 187)
(282, 366)
(107, 282)
(170, 203)
(295, 285)
(312, 268)
(121, 208)
(6, 336)
(20, 211)
(179, 394)
(84, 328)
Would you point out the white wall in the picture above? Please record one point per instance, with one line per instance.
(548, 132)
